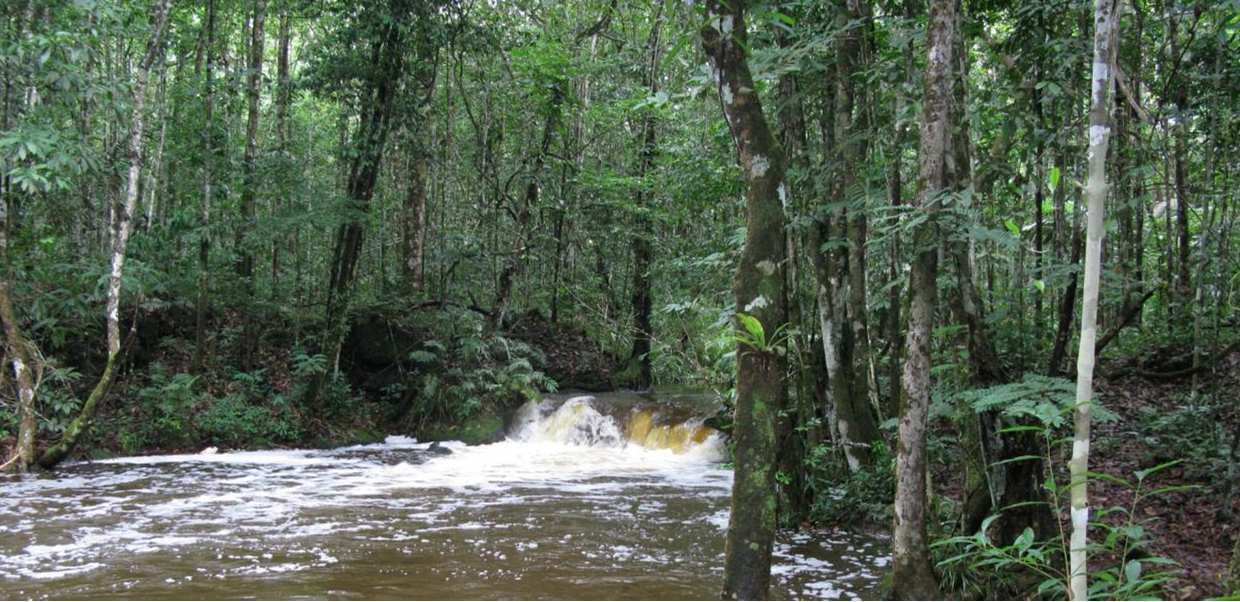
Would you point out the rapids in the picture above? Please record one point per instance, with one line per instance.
(588, 498)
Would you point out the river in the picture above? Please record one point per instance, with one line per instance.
(607, 498)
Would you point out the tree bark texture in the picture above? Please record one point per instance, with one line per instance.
(912, 574)
(120, 241)
(1106, 28)
(761, 388)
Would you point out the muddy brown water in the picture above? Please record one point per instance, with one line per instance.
(588, 498)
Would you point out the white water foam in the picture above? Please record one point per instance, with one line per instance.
(284, 501)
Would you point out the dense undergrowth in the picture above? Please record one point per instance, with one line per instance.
(436, 371)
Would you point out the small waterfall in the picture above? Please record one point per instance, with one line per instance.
(576, 422)
(582, 421)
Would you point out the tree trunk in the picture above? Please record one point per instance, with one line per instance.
(414, 240)
(81, 423)
(895, 186)
(515, 262)
(1018, 482)
(643, 252)
(853, 125)
(16, 349)
(284, 97)
(388, 54)
(1179, 150)
(208, 163)
(797, 430)
(153, 179)
(759, 287)
(1233, 572)
(1106, 28)
(249, 189)
(1067, 303)
(912, 574)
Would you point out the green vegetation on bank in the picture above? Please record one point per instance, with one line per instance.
(963, 270)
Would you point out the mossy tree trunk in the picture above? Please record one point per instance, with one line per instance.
(19, 357)
(761, 387)
(384, 82)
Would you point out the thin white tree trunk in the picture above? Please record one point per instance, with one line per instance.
(120, 239)
(1106, 26)
(19, 356)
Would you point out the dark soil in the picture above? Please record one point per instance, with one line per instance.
(1196, 528)
(1159, 422)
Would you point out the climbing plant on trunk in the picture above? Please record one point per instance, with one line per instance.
(761, 390)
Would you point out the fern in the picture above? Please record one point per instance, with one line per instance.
(1047, 399)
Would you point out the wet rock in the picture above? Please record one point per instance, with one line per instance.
(477, 430)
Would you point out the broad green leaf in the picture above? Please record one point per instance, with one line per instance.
(1024, 540)
(752, 325)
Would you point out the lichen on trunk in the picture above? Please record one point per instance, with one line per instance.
(761, 390)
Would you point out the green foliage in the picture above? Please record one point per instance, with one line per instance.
(57, 397)
(708, 357)
(845, 497)
(1193, 433)
(462, 368)
(169, 402)
(249, 415)
(1047, 400)
(1120, 569)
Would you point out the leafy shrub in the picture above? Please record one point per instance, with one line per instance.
(845, 497)
(463, 368)
(457, 379)
(1192, 432)
(250, 415)
(1023, 568)
(1045, 399)
(56, 397)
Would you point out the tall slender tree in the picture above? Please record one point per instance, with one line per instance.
(208, 165)
(643, 238)
(391, 21)
(1106, 30)
(250, 181)
(912, 575)
(120, 241)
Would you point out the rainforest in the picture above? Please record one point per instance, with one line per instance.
(619, 299)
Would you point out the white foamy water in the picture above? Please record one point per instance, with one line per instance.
(575, 503)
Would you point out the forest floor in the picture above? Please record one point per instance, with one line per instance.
(1196, 523)
(1162, 422)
